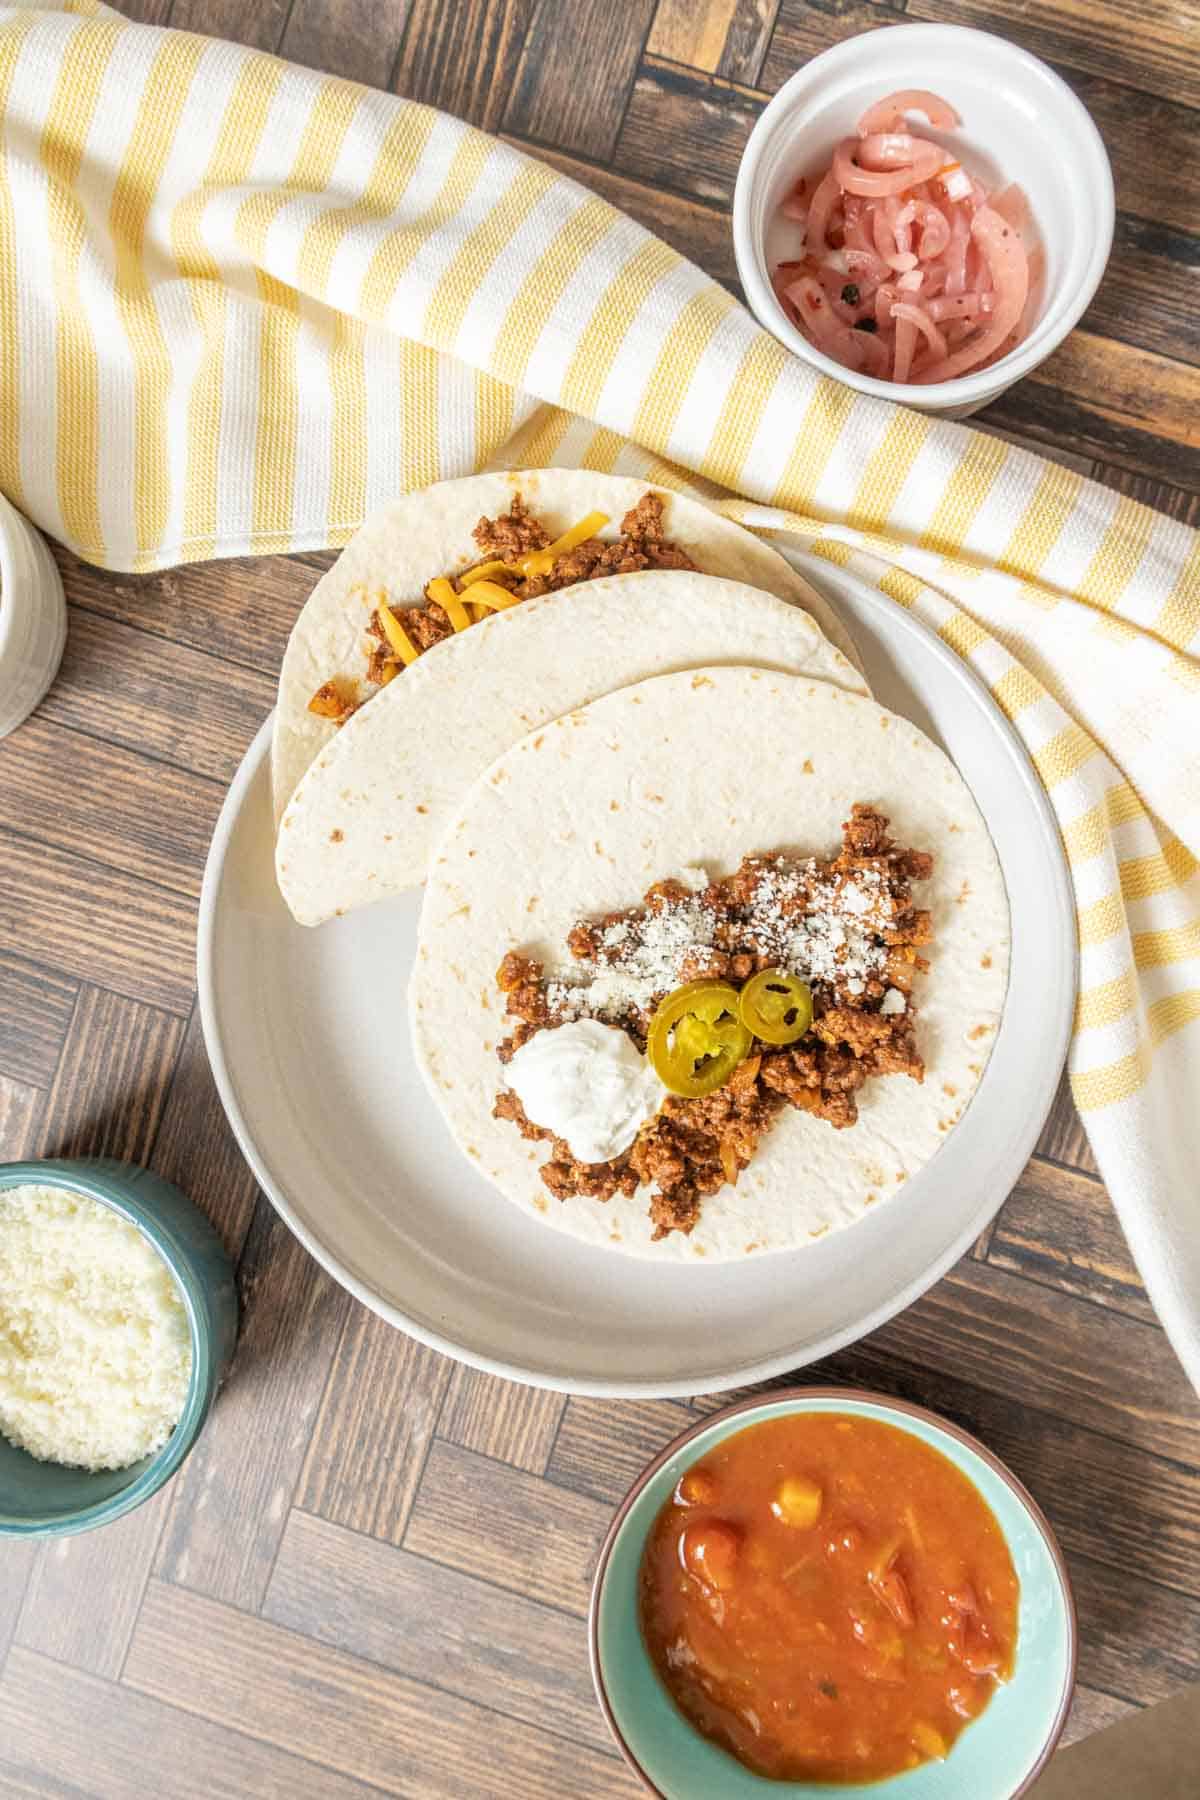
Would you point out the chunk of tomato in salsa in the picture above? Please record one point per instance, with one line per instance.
(828, 1598)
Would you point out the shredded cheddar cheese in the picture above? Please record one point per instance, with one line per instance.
(490, 593)
(483, 570)
(395, 633)
(464, 606)
(540, 562)
(442, 590)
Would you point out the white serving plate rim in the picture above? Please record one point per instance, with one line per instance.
(1049, 1036)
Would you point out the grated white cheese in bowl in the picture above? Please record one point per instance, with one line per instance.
(95, 1346)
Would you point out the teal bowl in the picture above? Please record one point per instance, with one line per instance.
(45, 1499)
(997, 1757)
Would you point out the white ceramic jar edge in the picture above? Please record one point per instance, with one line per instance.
(33, 618)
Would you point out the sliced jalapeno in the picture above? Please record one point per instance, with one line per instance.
(696, 1039)
(775, 1006)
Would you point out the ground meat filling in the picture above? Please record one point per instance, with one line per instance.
(643, 544)
(847, 925)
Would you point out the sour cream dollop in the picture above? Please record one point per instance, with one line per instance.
(586, 1082)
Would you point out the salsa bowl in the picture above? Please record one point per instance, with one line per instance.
(998, 1755)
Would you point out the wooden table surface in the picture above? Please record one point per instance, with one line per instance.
(373, 1572)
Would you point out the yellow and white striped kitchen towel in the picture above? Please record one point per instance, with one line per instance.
(241, 304)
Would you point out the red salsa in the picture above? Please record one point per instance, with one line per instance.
(828, 1598)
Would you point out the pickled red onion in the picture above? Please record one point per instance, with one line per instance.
(824, 199)
(874, 184)
(1010, 277)
(917, 315)
(888, 115)
(909, 269)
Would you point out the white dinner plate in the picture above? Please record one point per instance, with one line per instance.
(308, 1038)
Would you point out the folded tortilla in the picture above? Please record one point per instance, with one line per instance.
(428, 533)
(701, 768)
(364, 817)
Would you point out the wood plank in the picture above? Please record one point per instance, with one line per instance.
(112, 1080)
(1176, 502)
(1093, 1711)
(356, 38)
(1082, 465)
(260, 26)
(1058, 1227)
(540, 1540)
(240, 609)
(1007, 1335)
(196, 1149)
(692, 32)
(364, 1460)
(85, 1739)
(984, 1331)
(464, 57)
(137, 690)
(603, 1445)
(398, 1734)
(1113, 402)
(109, 804)
(432, 1624)
(501, 1419)
(232, 1497)
(1151, 142)
(983, 1243)
(697, 231)
(1131, 389)
(1147, 294)
(1135, 1515)
(1063, 1138)
(20, 1118)
(19, 1561)
(1141, 1644)
(35, 1009)
(97, 924)
(111, 1567)
(747, 40)
(32, 1787)
(570, 100)
(803, 31)
(1140, 43)
(685, 131)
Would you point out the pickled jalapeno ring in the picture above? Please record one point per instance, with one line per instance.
(775, 1006)
(696, 1039)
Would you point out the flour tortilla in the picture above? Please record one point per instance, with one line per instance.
(362, 822)
(428, 533)
(701, 768)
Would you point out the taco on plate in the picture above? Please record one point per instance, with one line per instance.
(362, 821)
(436, 562)
(711, 966)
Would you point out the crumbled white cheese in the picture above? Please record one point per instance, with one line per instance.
(647, 963)
(834, 939)
(95, 1349)
(893, 1002)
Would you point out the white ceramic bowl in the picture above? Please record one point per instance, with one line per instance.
(33, 618)
(1020, 123)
